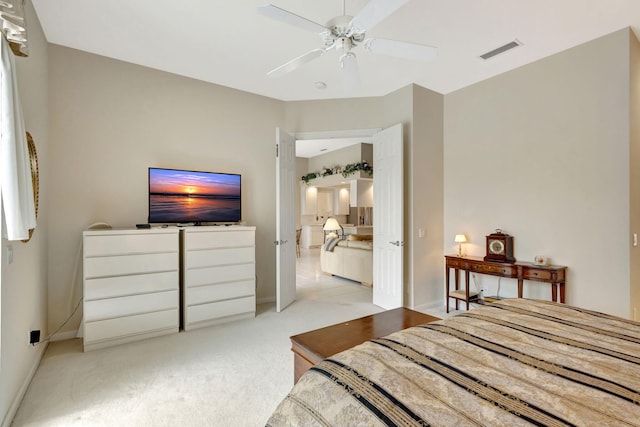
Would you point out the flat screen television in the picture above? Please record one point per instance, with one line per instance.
(182, 196)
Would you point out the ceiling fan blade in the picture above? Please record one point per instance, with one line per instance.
(295, 63)
(274, 12)
(350, 72)
(373, 13)
(404, 50)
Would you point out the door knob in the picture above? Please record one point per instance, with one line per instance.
(397, 243)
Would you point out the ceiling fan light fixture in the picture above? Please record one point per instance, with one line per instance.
(346, 58)
(345, 33)
(343, 44)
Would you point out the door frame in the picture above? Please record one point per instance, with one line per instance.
(338, 134)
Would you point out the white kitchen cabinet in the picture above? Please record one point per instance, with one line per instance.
(341, 201)
(325, 202)
(308, 200)
(218, 275)
(130, 285)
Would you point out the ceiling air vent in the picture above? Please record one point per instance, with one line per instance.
(501, 49)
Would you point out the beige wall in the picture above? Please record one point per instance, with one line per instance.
(398, 108)
(543, 153)
(427, 196)
(337, 114)
(24, 282)
(634, 170)
(112, 120)
(302, 166)
(352, 154)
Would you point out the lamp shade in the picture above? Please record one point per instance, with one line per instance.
(460, 238)
(331, 225)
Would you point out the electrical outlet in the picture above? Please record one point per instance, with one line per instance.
(34, 337)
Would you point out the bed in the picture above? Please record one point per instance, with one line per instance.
(512, 363)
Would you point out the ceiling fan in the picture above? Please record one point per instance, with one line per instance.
(344, 33)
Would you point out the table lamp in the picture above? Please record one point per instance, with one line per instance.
(332, 225)
(460, 239)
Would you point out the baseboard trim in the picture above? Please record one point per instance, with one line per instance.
(431, 306)
(63, 336)
(13, 409)
(265, 300)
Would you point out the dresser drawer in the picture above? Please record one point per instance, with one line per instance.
(226, 273)
(214, 257)
(110, 287)
(126, 265)
(218, 239)
(507, 270)
(220, 309)
(130, 305)
(130, 325)
(121, 244)
(223, 291)
(537, 274)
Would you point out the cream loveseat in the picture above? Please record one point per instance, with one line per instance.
(351, 258)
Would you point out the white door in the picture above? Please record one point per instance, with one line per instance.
(285, 219)
(388, 243)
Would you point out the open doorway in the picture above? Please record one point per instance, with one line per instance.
(388, 243)
(336, 227)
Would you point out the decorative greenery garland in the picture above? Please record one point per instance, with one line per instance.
(347, 170)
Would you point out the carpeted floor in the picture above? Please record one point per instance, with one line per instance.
(228, 375)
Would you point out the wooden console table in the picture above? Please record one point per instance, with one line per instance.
(311, 347)
(553, 274)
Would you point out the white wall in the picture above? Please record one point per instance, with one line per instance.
(543, 153)
(24, 282)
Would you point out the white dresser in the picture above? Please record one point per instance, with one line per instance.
(131, 285)
(218, 275)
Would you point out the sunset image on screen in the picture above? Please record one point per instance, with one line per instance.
(168, 181)
(189, 196)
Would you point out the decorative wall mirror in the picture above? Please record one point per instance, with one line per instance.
(35, 177)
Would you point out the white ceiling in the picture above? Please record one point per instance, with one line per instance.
(228, 43)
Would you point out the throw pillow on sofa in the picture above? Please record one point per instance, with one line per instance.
(331, 243)
(360, 237)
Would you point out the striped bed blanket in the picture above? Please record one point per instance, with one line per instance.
(515, 362)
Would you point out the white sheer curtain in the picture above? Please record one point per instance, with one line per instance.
(15, 170)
